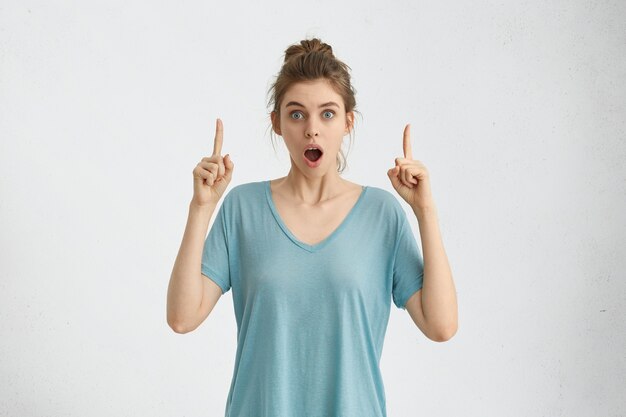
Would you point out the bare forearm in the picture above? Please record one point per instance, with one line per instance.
(439, 303)
(184, 294)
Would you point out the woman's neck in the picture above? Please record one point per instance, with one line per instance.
(311, 190)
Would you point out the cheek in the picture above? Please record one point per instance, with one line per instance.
(290, 137)
(289, 126)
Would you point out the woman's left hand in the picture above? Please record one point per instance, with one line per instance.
(410, 178)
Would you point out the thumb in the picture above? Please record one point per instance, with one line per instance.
(228, 165)
(393, 176)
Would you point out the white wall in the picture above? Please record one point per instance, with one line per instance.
(517, 109)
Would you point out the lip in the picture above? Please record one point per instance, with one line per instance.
(312, 164)
(313, 145)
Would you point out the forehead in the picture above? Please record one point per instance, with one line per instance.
(311, 93)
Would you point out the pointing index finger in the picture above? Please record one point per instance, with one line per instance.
(408, 153)
(219, 137)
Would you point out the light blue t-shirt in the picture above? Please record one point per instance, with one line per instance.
(311, 319)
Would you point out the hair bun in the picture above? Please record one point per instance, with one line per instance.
(308, 46)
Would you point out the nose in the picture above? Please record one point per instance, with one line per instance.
(311, 131)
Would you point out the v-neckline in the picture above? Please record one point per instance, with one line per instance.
(327, 239)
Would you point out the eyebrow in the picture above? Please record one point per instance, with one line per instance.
(330, 103)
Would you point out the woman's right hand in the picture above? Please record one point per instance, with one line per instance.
(212, 174)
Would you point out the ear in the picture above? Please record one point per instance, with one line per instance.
(275, 123)
(349, 122)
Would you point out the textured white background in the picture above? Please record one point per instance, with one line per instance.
(518, 109)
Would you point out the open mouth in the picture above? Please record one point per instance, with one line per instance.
(313, 154)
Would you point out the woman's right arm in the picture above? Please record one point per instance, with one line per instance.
(190, 296)
(185, 307)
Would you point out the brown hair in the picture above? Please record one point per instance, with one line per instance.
(311, 60)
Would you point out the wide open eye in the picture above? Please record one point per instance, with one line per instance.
(330, 114)
(294, 113)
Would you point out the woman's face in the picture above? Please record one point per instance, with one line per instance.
(313, 114)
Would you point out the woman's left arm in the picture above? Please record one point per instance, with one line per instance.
(434, 307)
(438, 294)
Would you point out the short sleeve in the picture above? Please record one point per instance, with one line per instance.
(215, 261)
(408, 267)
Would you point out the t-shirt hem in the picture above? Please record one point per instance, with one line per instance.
(402, 302)
(213, 276)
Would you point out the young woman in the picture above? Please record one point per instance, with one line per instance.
(313, 260)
